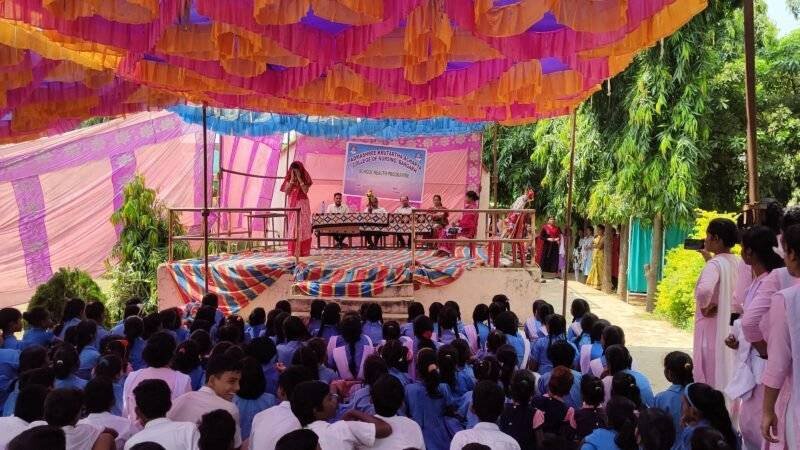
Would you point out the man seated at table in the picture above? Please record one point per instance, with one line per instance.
(337, 207)
(372, 208)
(404, 208)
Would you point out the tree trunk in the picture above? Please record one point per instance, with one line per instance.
(608, 247)
(622, 278)
(655, 262)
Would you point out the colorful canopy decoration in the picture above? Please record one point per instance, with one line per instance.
(237, 122)
(510, 61)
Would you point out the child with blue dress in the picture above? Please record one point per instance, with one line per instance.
(465, 376)
(38, 332)
(478, 332)
(373, 325)
(10, 323)
(65, 368)
(315, 315)
(593, 350)
(486, 369)
(295, 333)
(620, 431)
(187, 360)
(397, 357)
(264, 351)
(508, 323)
(619, 360)
(329, 323)
(347, 352)
(110, 367)
(540, 362)
(252, 397)
(704, 406)
(83, 339)
(578, 309)
(72, 315)
(447, 327)
(361, 400)
(414, 309)
(256, 323)
(562, 354)
(96, 312)
(429, 401)
(678, 371)
(134, 329)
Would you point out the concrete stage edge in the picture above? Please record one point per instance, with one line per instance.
(476, 285)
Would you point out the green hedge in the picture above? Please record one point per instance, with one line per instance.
(675, 291)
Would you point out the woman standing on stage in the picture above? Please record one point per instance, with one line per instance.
(296, 185)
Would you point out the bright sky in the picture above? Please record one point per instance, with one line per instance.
(779, 13)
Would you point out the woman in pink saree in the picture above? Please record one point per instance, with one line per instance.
(468, 224)
(296, 185)
(713, 361)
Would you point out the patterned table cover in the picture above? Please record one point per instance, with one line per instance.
(355, 223)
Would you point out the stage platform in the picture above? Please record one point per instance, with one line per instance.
(249, 279)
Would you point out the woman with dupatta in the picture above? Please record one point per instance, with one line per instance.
(515, 228)
(595, 278)
(551, 240)
(295, 186)
(468, 225)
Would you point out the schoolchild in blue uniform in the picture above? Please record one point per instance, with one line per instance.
(397, 357)
(110, 368)
(256, 324)
(447, 327)
(83, 338)
(132, 308)
(578, 309)
(252, 396)
(171, 323)
(585, 336)
(96, 312)
(486, 369)
(620, 432)
(562, 354)
(620, 360)
(10, 323)
(593, 351)
(134, 328)
(678, 371)
(478, 332)
(459, 323)
(187, 360)
(295, 333)
(329, 324)
(73, 314)
(540, 361)
(31, 359)
(704, 406)
(263, 349)
(315, 315)
(65, 368)
(656, 431)
(427, 403)
(361, 400)
(465, 376)
(347, 352)
(373, 325)
(508, 323)
(38, 332)
(415, 309)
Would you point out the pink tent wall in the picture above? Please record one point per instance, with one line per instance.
(57, 193)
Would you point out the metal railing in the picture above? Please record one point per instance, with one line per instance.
(491, 231)
(230, 235)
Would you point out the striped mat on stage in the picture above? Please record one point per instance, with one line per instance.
(367, 273)
(236, 279)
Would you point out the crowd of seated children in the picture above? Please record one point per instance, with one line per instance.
(343, 380)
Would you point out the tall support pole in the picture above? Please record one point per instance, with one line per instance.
(750, 101)
(495, 171)
(205, 201)
(568, 226)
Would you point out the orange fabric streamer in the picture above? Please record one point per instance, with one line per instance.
(124, 11)
(427, 42)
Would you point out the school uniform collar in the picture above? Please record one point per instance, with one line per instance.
(677, 388)
(488, 426)
(156, 422)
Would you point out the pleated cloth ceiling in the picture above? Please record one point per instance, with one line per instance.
(510, 61)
